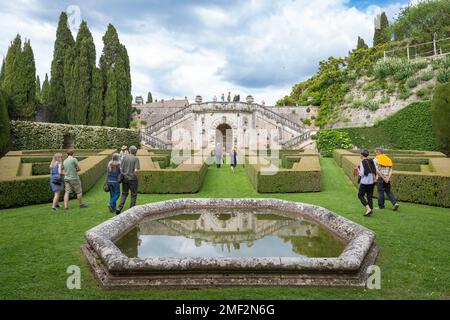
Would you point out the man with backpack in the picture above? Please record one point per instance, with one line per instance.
(384, 171)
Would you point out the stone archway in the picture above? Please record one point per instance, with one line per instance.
(224, 136)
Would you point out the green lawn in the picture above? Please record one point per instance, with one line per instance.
(36, 246)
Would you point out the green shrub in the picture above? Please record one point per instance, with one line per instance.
(403, 73)
(172, 180)
(328, 140)
(306, 122)
(305, 177)
(21, 191)
(133, 124)
(390, 88)
(27, 135)
(410, 128)
(4, 124)
(441, 116)
(420, 65)
(426, 75)
(404, 94)
(411, 83)
(385, 99)
(357, 103)
(370, 105)
(443, 76)
(39, 169)
(143, 123)
(371, 95)
(421, 92)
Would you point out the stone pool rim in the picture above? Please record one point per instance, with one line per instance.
(359, 243)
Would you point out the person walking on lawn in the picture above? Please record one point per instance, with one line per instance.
(113, 171)
(384, 171)
(367, 177)
(130, 167)
(72, 182)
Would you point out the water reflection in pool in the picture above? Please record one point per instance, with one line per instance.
(229, 233)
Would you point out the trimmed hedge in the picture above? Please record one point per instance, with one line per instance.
(18, 191)
(410, 128)
(303, 177)
(184, 179)
(431, 188)
(27, 135)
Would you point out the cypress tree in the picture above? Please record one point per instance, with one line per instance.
(149, 97)
(95, 115)
(10, 76)
(38, 90)
(2, 73)
(361, 44)
(45, 91)
(19, 80)
(79, 64)
(381, 35)
(4, 124)
(57, 97)
(115, 57)
(29, 79)
(110, 102)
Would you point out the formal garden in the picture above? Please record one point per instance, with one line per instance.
(277, 219)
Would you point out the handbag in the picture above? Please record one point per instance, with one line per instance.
(120, 178)
(57, 181)
(106, 187)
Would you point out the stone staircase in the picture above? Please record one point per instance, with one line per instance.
(148, 134)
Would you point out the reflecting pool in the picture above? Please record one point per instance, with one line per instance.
(224, 232)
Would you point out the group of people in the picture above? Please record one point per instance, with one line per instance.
(220, 157)
(123, 169)
(373, 171)
(236, 97)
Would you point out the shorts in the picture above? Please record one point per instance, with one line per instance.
(73, 186)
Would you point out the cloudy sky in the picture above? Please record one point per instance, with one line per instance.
(206, 47)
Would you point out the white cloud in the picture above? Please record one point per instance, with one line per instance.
(258, 47)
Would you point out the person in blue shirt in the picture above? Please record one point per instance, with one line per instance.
(367, 178)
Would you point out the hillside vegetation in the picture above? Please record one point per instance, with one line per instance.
(366, 82)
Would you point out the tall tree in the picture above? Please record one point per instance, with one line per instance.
(2, 72)
(19, 80)
(57, 97)
(79, 65)
(361, 44)
(38, 89)
(381, 34)
(115, 57)
(423, 21)
(45, 91)
(149, 97)
(95, 115)
(4, 123)
(110, 102)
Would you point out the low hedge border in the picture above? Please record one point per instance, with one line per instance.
(303, 177)
(430, 188)
(18, 191)
(186, 178)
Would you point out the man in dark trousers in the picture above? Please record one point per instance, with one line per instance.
(130, 168)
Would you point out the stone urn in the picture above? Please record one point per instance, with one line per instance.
(198, 99)
(249, 99)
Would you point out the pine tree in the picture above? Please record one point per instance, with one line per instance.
(361, 44)
(110, 102)
(45, 91)
(57, 96)
(381, 35)
(95, 115)
(149, 97)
